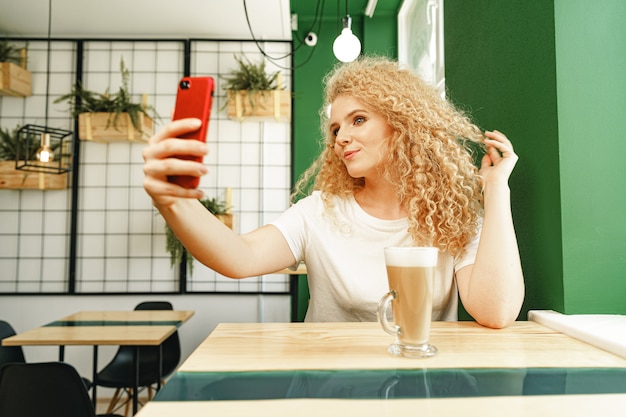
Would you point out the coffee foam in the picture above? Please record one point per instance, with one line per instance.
(411, 256)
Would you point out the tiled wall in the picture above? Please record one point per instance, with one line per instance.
(120, 237)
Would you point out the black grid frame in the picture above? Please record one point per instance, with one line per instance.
(102, 235)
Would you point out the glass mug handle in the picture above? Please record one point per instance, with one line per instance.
(383, 306)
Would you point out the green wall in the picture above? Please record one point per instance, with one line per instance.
(500, 66)
(550, 74)
(591, 86)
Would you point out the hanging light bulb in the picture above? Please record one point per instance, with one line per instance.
(50, 137)
(347, 47)
(44, 153)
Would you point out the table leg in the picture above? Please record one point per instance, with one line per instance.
(293, 292)
(61, 353)
(136, 379)
(160, 360)
(94, 374)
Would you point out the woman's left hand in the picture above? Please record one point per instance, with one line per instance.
(500, 159)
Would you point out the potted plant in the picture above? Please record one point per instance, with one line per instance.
(220, 209)
(110, 117)
(12, 178)
(15, 79)
(253, 93)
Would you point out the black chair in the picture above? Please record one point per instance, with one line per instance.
(120, 371)
(43, 389)
(9, 354)
(15, 354)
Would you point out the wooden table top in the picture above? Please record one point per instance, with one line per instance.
(288, 346)
(609, 405)
(131, 315)
(352, 346)
(129, 328)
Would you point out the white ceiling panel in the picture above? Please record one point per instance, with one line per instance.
(216, 19)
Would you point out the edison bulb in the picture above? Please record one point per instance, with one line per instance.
(347, 46)
(44, 153)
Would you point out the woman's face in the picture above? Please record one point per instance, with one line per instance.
(361, 136)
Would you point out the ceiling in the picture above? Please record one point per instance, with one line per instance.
(215, 19)
(221, 19)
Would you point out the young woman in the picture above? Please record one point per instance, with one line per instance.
(396, 171)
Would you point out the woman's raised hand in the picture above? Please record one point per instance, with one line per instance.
(500, 159)
(160, 161)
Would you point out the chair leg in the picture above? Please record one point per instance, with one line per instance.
(118, 401)
(114, 400)
(128, 402)
(152, 390)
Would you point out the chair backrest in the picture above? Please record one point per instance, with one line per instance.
(117, 373)
(9, 354)
(171, 346)
(154, 305)
(43, 389)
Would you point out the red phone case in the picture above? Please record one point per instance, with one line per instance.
(193, 99)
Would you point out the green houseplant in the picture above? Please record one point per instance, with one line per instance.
(15, 79)
(8, 145)
(174, 246)
(110, 117)
(253, 92)
(11, 178)
(9, 53)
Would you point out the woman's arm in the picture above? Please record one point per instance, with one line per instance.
(492, 290)
(261, 251)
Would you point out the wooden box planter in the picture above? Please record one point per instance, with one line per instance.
(268, 104)
(15, 179)
(14, 80)
(98, 127)
(227, 219)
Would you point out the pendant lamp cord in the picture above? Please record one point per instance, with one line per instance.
(340, 16)
(48, 60)
(319, 8)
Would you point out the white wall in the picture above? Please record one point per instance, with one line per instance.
(28, 312)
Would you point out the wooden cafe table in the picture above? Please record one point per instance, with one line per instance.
(320, 369)
(96, 328)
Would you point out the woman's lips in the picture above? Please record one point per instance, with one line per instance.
(349, 154)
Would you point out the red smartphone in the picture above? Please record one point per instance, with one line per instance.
(193, 99)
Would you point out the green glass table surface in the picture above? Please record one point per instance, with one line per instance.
(391, 384)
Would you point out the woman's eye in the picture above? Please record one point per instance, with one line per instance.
(359, 120)
(334, 132)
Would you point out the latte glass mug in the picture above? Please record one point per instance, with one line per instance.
(411, 275)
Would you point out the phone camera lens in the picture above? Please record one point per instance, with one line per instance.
(184, 85)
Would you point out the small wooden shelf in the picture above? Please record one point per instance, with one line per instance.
(268, 105)
(14, 80)
(15, 179)
(98, 127)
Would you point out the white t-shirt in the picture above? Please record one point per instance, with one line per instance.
(345, 260)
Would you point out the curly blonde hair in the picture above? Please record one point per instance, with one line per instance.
(430, 159)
